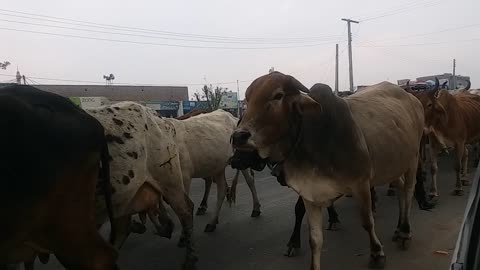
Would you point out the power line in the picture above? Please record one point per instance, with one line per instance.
(423, 34)
(169, 44)
(420, 44)
(150, 31)
(155, 37)
(403, 9)
(125, 84)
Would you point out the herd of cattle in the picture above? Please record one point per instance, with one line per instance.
(67, 171)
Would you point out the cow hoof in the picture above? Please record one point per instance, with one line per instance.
(210, 228)
(44, 258)
(457, 192)
(425, 205)
(465, 183)
(291, 252)
(165, 230)
(391, 192)
(201, 211)
(333, 226)
(404, 243)
(396, 236)
(255, 213)
(137, 227)
(189, 265)
(377, 261)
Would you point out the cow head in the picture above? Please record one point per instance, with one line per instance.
(274, 100)
(433, 102)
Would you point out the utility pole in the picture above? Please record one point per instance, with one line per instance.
(336, 69)
(454, 76)
(350, 65)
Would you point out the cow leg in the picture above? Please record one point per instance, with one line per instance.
(476, 154)
(433, 170)
(165, 225)
(464, 169)
(92, 252)
(232, 191)
(183, 208)
(459, 151)
(294, 242)
(406, 189)
(314, 216)
(420, 194)
(373, 196)
(123, 230)
(333, 221)
(204, 204)
(221, 192)
(251, 185)
(377, 256)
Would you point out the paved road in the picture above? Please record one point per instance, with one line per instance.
(241, 242)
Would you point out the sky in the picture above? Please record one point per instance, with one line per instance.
(221, 41)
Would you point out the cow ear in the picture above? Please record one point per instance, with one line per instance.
(305, 104)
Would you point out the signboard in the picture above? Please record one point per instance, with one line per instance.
(190, 105)
(163, 105)
(89, 102)
(229, 100)
(75, 100)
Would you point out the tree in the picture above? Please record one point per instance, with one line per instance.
(4, 65)
(213, 96)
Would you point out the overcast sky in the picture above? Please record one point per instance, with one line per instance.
(394, 40)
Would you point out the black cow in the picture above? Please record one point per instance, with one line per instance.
(50, 163)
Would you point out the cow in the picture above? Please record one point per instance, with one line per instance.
(206, 151)
(52, 155)
(454, 119)
(231, 191)
(250, 159)
(378, 131)
(145, 164)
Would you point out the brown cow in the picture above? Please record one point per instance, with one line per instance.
(331, 146)
(51, 156)
(455, 121)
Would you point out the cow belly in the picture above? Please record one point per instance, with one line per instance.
(314, 188)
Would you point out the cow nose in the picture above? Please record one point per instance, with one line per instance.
(240, 137)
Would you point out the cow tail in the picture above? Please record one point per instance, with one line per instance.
(105, 156)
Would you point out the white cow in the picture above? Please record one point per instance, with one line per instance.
(204, 143)
(145, 166)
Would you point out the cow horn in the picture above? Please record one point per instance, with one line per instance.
(298, 85)
(408, 86)
(436, 87)
(468, 85)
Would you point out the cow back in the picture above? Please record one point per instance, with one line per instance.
(392, 122)
(204, 142)
(43, 133)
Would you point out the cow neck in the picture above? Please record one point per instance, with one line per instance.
(328, 139)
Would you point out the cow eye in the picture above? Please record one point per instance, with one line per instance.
(278, 96)
(429, 105)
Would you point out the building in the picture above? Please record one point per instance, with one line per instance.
(446, 80)
(166, 100)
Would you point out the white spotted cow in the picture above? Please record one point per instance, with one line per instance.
(145, 166)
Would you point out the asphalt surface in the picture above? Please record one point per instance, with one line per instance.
(241, 242)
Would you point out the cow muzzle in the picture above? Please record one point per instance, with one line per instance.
(240, 138)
